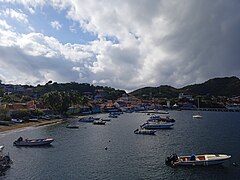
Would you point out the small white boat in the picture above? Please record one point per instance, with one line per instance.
(197, 116)
(157, 125)
(196, 160)
(145, 131)
(157, 118)
(33, 142)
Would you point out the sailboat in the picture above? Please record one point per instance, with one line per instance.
(197, 116)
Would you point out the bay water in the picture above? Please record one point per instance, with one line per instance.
(114, 152)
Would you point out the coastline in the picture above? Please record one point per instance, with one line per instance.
(5, 129)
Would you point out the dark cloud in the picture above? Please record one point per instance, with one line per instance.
(158, 42)
(34, 69)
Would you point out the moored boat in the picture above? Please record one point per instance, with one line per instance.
(145, 131)
(5, 160)
(197, 160)
(88, 119)
(157, 125)
(99, 122)
(33, 142)
(197, 116)
(157, 118)
(106, 119)
(112, 116)
(72, 126)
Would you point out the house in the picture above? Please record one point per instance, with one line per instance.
(182, 96)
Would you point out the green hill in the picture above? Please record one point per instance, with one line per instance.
(227, 86)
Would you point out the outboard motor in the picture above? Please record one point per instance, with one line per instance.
(171, 159)
(19, 139)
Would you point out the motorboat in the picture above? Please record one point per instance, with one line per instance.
(112, 116)
(116, 113)
(5, 160)
(33, 142)
(72, 126)
(157, 125)
(196, 160)
(106, 119)
(157, 118)
(145, 131)
(99, 122)
(197, 116)
(88, 119)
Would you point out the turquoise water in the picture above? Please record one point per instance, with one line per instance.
(81, 154)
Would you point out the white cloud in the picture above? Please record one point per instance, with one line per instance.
(4, 25)
(18, 15)
(158, 42)
(56, 25)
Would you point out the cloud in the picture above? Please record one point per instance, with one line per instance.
(56, 25)
(4, 25)
(17, 15)
(139, 43)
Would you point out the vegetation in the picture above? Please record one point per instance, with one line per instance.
(59, 102)
(22, 114)
(81, 88)
(228, 86)
(17, 98)
(3, 115)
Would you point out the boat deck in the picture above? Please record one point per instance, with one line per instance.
(187, 158)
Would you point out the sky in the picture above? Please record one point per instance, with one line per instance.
(124, 44)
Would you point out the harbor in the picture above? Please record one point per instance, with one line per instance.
(114, 151)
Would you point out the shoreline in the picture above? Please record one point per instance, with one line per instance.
(6, 129)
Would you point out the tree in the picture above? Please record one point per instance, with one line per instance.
(57, 101)
(26, 99)
(1, 92)
(3, 114)
(83, 100)
(53, 101)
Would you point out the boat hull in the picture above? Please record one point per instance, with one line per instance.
(145, 132)
(157, 126)
(72, 126)
(98, 122)
(88, 119)
(197, 116)
(198, 160)
(34, 142)
(199, 163)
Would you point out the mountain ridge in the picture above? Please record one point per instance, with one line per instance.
(220, 86)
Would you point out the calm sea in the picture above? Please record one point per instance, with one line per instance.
(81, 154)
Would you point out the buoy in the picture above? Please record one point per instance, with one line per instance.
(234, 164)
(109, 141)
(106, 148)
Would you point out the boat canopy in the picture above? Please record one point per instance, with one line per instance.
(193, 157)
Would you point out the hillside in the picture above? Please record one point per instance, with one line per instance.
(82, 88)
(227, 86)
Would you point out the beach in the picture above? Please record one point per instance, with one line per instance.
(29, 124)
